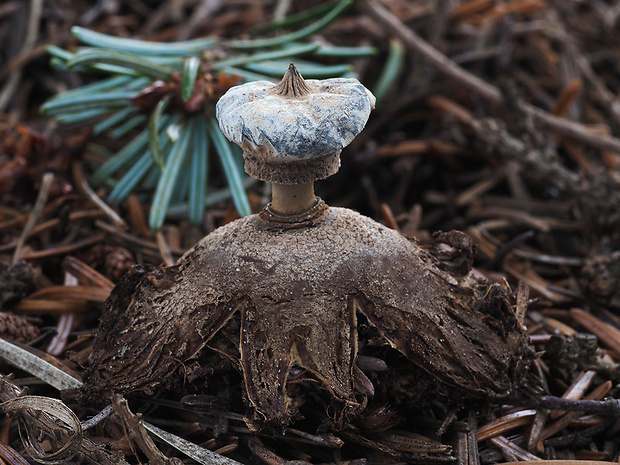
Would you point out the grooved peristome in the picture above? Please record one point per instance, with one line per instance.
(292, 84)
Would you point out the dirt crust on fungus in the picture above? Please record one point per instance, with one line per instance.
(298, 291)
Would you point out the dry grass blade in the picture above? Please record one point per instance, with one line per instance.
(567, 97)
(164, 249)
(86, 274)
(46, 185)
(566, 419)
(65, 324)
(10, 456)
(523, 294)
(465, 10)
(561, 462)
(505, 423)
(36, 366)
(609, 335)
(62, 250)
(557, 327)
(535, 430)
(78, 173)
(199, 454)
(131, 239)
(89, 293)
(576, 391)
(137, 218)
(46, 418)
(137, 433)
(518, 452)
(52, 306)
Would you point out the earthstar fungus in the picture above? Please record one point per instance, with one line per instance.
(299, 273)
(293, 132)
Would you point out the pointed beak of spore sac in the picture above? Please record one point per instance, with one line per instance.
(292, 84)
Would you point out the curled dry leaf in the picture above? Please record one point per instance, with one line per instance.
(51, 418)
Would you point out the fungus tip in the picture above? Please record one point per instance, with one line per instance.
(292, 84)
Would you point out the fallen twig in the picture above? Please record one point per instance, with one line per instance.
(46, 185)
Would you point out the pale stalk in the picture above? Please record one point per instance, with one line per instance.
(292, 199)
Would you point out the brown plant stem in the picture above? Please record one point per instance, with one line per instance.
(46, 185)
(135, 430)
(80, 179)
(609, 407)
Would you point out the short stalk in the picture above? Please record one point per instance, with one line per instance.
(292, 199)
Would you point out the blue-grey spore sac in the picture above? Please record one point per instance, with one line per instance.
(321, 122)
